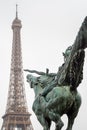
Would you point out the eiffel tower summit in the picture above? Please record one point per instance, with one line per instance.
(16, 116)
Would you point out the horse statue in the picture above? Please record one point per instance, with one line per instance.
(56, 93)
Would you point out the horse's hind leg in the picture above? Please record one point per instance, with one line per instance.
(73, 112)
(71, 117)
(45, 123)
(70, 123)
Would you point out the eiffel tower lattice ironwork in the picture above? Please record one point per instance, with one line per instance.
(16, 116)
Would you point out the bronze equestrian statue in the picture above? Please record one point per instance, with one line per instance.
(56, 93)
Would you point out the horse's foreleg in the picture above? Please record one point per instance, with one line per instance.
(56, 118)
(44, 122)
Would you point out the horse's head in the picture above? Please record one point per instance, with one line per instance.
(32, 80)
(35, 84)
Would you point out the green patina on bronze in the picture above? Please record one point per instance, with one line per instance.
(56, 93)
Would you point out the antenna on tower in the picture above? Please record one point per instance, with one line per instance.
(16, 11)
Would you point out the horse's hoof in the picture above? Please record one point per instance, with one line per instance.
(59, 125)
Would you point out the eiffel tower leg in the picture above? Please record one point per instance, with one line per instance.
(13, 127)
(25, 127)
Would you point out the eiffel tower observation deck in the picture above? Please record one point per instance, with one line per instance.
(16, 116)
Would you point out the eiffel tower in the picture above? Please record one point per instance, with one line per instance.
(16, 116)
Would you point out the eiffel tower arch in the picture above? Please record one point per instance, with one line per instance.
(16, 116)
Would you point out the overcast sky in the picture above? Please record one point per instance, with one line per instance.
(48, 28)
